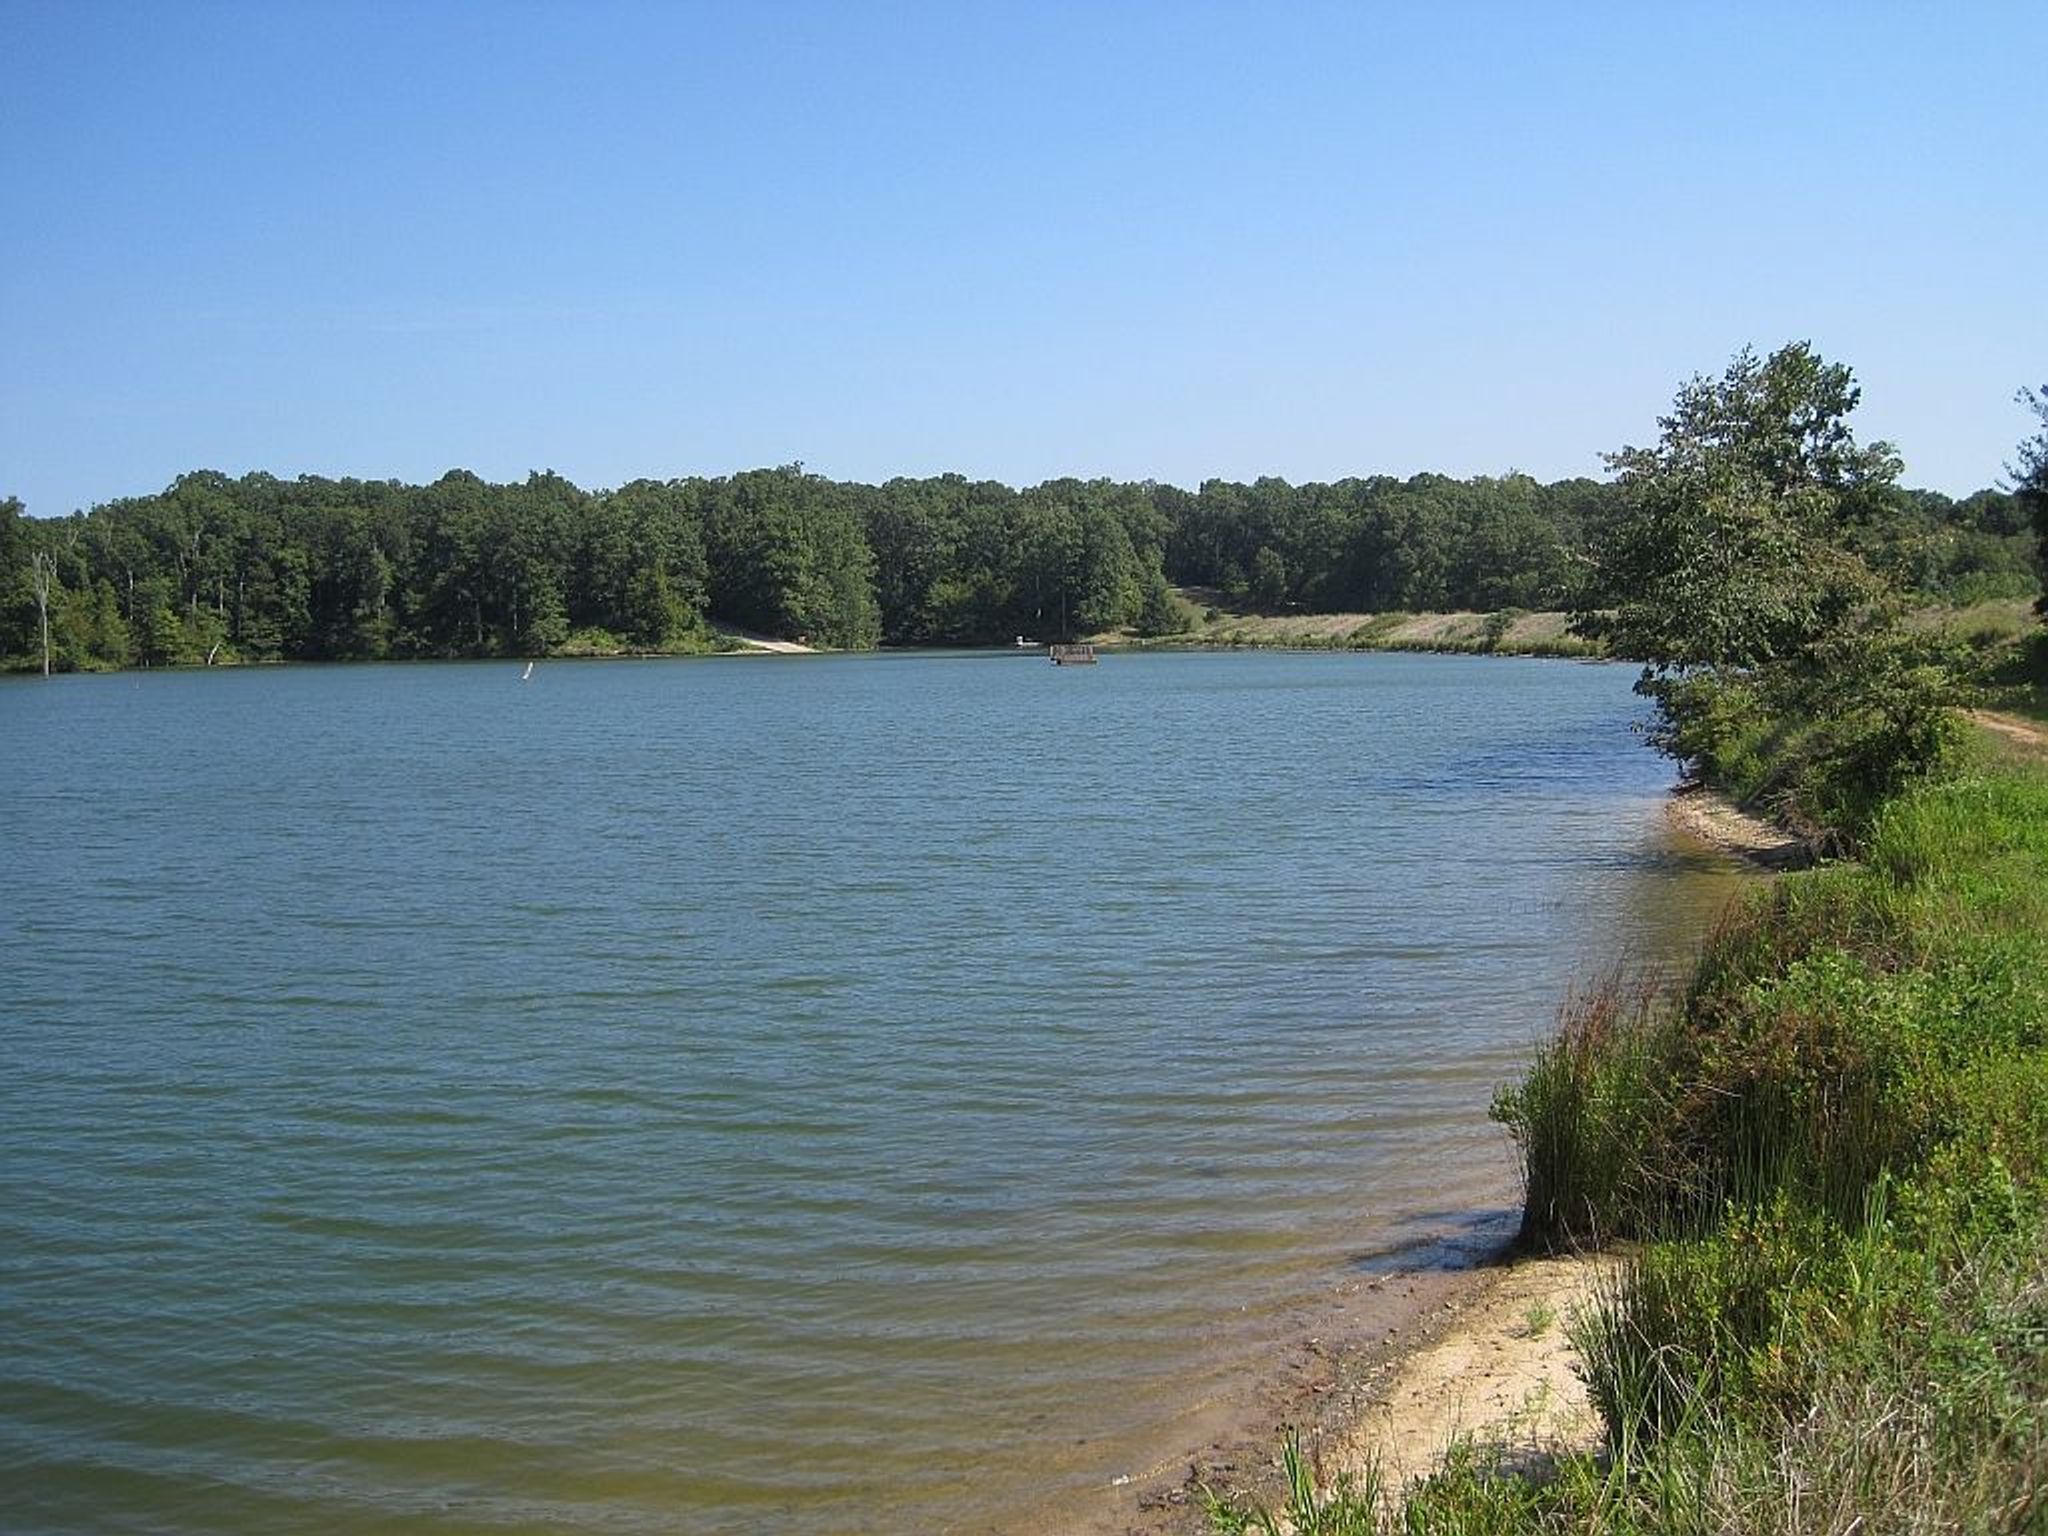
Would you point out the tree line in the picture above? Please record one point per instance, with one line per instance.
(256, 568)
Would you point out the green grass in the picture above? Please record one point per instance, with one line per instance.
(1350, 1509)
(2015, 678)
(1981, 626)
(603, 642)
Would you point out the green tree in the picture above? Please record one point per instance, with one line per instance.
(1160, 612)
(789, 556)
(1269, 578)
(1771, 647)
(1730, 550)
(2031, 474)
(16, 609)
(158, 633)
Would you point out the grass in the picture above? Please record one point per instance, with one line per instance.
(1829, 1148)
(1509, 631)
(2016, 677)
(603, 642)
(1351, 1509)
(1980, 626)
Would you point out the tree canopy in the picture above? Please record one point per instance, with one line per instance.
(1756, 569)
(1735, 544)
(258, 567)
(2032, 487)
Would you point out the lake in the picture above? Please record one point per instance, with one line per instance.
(742, 1094)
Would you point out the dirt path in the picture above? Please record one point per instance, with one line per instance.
(2025, 733)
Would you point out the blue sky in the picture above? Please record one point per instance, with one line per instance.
(1175, 241)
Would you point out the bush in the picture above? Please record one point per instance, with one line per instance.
(1496, 626)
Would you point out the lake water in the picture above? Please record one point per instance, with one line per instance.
(807, 1095)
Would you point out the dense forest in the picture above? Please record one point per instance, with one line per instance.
(259, 568)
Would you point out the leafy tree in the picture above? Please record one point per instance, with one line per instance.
(311, 568)
(1269, 578)
(158, 633)
(2032, 475)
(1769, 644)
(1160, 612)
(16, 621)
(789, 556)
(1730, 551)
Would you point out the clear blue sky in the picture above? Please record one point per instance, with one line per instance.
(1019, 241)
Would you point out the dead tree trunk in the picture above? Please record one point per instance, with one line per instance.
(42, 572)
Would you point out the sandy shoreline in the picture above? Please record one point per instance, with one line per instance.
(1403, 1362)
(1402, 1365)
(1711, 817)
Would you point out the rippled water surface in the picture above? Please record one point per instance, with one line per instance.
(748, 1094)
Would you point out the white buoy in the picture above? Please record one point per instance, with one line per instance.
(527, 675)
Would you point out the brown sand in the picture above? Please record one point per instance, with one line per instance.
(1502, 1374)
(1714, 819)
(1475, 1353)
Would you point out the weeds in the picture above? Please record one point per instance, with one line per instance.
(1352, 1509)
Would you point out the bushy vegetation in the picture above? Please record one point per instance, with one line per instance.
(2031, 473)
(1843, 1022)
(1834, 1143)
(1764, 588)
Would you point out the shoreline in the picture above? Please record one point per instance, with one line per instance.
(1479, 1353)
(1537, 635)
(1355, 1333)
(1398, 1365)
(1709, 816)
(1393, 1369)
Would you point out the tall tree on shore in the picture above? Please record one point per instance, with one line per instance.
(2032, 483)
(1735, 578)
(15, 543)
(1731, 549)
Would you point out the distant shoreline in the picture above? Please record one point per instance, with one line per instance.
(1525, 635)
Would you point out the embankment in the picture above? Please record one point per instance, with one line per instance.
(1507, 632)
